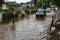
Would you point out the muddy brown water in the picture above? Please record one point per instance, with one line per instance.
(26, 29)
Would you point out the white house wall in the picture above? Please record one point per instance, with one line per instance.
(4, 6)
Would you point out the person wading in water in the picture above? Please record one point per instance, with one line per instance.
(13, 16)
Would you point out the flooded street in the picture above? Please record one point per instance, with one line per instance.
(31, 28)
(28, 29)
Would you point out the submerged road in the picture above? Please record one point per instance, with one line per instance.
(29, 29)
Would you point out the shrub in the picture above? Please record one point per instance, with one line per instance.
(22, 15)
(16, 15)
(4, 16)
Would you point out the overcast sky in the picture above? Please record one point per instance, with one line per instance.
(19, 1)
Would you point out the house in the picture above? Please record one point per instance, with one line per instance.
(4, 4)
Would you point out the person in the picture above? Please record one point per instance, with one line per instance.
(13, 21)
(12, 16)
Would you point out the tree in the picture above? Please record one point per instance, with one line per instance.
(44, 3)
(57, 2)
(0, 3)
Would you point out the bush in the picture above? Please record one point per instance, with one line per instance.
(16, 15)
(27, 10)
(22, 15)
(19, 12)
(4, 16)
(0, 9)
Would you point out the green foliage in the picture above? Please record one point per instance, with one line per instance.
(0, 10)
(39, 4)
(45, 3)
(5, 10)
(16, 15)
(5, 16)
(27, 10)
(11, 7)
(22, 15)
(57, 2)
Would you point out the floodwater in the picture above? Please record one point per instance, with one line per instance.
(30, 29)
(27, 29)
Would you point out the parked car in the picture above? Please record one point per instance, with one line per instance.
(41, 13)
(48, 10)
(52, 8)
